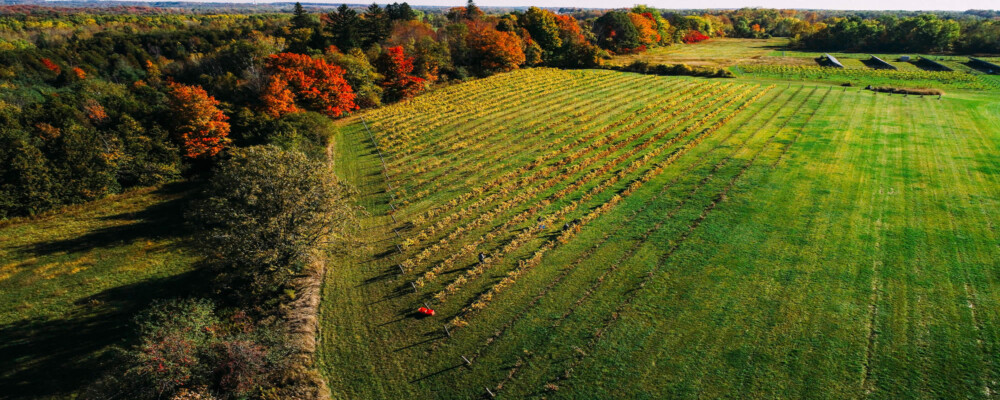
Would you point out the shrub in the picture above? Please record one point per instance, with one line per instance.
(262, 211)
(185, 350)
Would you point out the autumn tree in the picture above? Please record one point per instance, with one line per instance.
(277, 98)
(396, 68)
(315, 84)
(647, 35)
(360, 75)
(200, 125)
(494, 51)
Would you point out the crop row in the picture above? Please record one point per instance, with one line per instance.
(646, 278)
(405, 139)
(525, 266)
(634, 166)
(593, 246)
(483, 165)
(540, 173)
(523, 196)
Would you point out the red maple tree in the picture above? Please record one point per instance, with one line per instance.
(201, 125)
(396, 67)
(694, 36)
(314, 84)
(51, 66)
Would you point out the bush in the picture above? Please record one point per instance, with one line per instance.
(186, 351)
(262, 211)
(899, 90)
(643, 67)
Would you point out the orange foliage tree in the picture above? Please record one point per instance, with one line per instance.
(277, 98)
(51, 66)
(396, 67)
(201, 125)
(312, 83)
(496, 51)
(569, 29)
(646, 28)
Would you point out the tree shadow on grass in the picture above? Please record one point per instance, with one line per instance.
(42, 358)
(162, 220)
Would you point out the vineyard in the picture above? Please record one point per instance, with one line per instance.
(622, 235)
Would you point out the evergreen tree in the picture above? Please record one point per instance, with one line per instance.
(300, 18)
(345, 27)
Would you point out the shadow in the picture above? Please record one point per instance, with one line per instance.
(927, 65)
(425, 341)
(433, 374)
(384, 254)
(874, 64)
(986, 69)
(158, 221)
(41, 358)
(385, 276)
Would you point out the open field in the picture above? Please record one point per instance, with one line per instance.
(654, 237)
(718, 52)
(71, 281)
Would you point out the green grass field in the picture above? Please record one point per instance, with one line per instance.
(718, 52)
(734, 239)
(71, 281)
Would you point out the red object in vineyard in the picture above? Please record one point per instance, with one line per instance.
(694, 36)
(425, 311)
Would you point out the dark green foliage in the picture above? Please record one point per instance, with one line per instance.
(643, 67)
(79, 144)
(924, 33)
(400, 12)
(543, 28)
(262, 211)
(615, 32)
(345, 28)
(307, 132)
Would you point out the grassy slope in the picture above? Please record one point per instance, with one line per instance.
(71, 281)
(851, 253)
(719, 52)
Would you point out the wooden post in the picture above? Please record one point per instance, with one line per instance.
(401, 270)
(399, 249)
(393, 221)
(490, 392)
(414, 286)
(467, 362)
(446, 331)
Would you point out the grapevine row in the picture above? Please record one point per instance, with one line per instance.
(524, 236)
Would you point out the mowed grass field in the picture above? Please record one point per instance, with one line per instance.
(668, 237)
(718, 52)
(71, 281)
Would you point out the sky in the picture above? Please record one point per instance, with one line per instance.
(813, 4)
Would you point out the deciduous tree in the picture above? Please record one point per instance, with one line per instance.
(200, 125)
